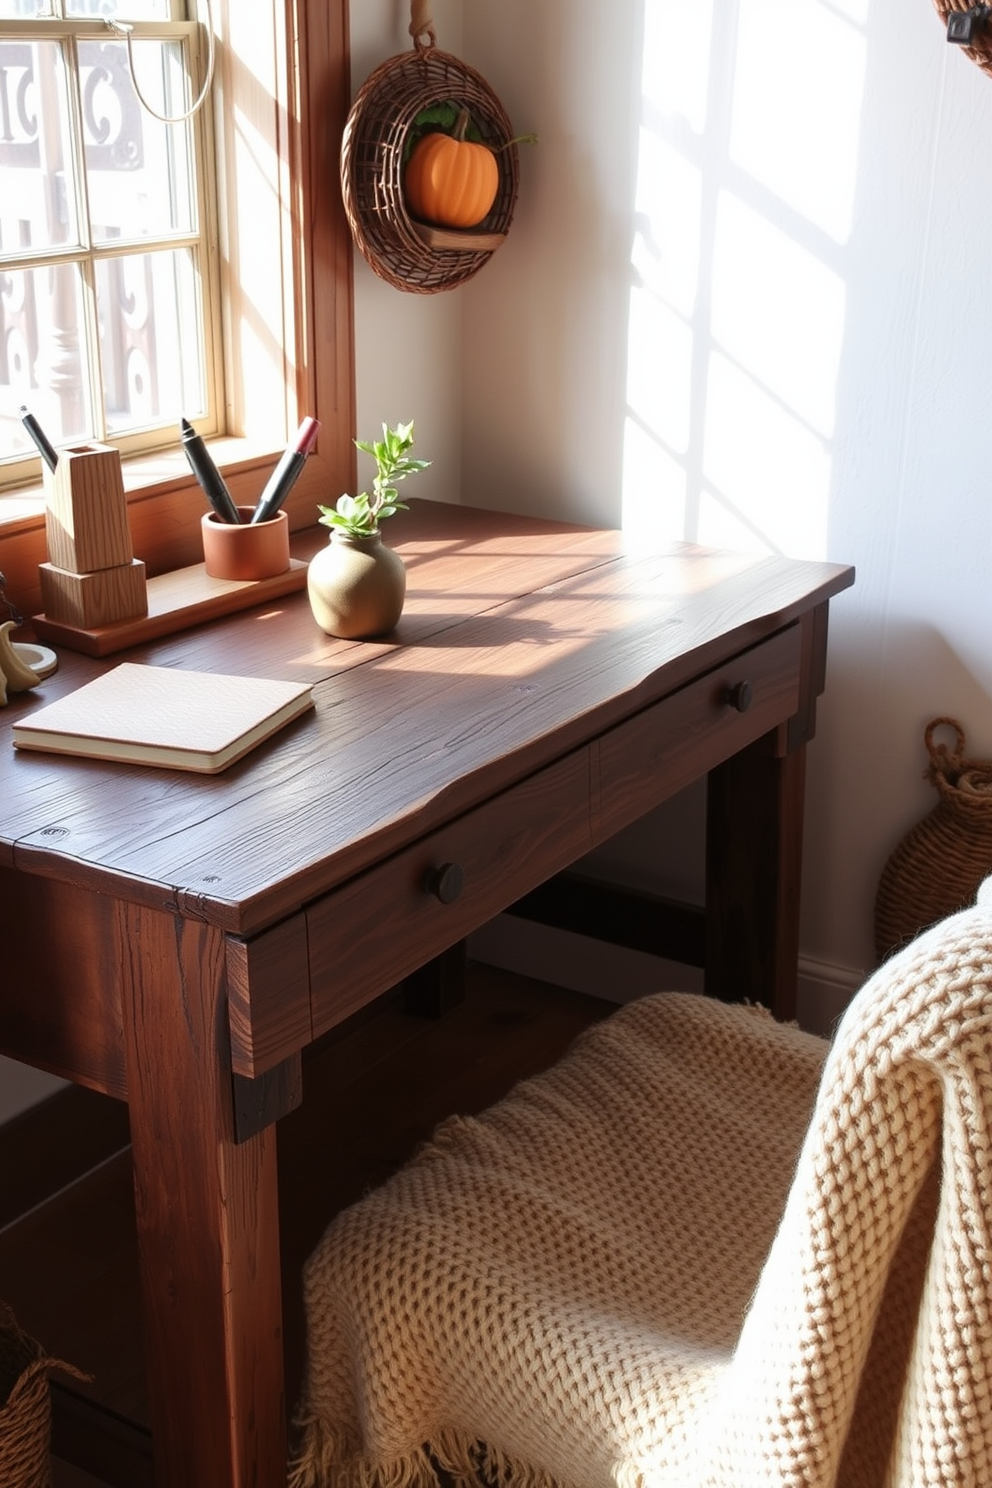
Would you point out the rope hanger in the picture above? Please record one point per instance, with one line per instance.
(422, 24)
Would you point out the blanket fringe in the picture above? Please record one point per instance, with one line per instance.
(495, 1469)
(447, 1459)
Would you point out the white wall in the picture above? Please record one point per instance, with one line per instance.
(801, 186)
(407, 346)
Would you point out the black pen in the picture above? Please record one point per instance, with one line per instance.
(41, 440)
(283, 478)
(210, 479)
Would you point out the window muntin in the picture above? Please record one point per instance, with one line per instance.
(108, 301)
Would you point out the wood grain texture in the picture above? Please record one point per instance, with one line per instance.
(86, 525)
(269, 996)
(173, 601)
(61, 1007)
(378, 928)
(89, 600)
(511, 683)
(207, 1217)
(666, 747)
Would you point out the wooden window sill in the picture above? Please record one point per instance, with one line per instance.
(165, 507)
(144, 476)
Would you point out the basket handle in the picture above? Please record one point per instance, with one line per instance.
(422, 24)
(941, 760)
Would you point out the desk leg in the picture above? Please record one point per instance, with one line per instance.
(207, 1215)
(754, 843)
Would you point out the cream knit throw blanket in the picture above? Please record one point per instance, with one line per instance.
(554, 1293)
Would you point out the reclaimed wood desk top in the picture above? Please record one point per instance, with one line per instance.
(526, 638)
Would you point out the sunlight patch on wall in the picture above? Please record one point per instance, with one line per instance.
(767, 474)
(778, 311)
(798, 85)
(746, 181)
(675, 75)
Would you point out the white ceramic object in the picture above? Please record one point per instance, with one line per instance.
(22, 664)
(41, 659)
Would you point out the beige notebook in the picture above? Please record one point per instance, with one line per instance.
(163, 716)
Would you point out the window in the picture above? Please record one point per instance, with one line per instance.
(108, 320)
(283, 257)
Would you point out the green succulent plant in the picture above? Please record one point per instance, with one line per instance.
(359, 516)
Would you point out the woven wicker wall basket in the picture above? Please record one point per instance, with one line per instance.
(938, 865)
(981, 52)
(25, 1406)
(413, 256)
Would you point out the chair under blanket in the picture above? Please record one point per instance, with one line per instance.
(704, 1249)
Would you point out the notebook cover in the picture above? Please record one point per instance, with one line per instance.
(201, 721)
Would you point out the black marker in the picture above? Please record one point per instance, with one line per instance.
(41, 440)
(210, 479)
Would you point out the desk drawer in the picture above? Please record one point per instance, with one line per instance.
(380, 927)
(294, 982)
(643, 762)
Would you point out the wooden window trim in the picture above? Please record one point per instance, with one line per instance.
(165, 503)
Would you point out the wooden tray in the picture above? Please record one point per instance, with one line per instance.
(188, 596)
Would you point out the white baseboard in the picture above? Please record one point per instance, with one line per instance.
(592, 966)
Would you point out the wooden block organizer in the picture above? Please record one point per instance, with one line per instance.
(96, 595)
(92, 577)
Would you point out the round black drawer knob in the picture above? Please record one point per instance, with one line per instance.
(740, 696)
(446, 882)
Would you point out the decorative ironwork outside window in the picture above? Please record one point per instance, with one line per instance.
(108, 315)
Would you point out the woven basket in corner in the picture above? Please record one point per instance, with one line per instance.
(25, 1406)
(938, 866)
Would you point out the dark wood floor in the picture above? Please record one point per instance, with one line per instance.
(372, 1093)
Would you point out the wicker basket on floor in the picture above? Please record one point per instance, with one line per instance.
(938, 865)
(25, 1406)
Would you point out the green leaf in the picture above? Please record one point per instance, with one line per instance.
(444, 114)
(437, 118)
(360, 514)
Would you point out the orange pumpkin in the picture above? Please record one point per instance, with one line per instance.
(450, 180)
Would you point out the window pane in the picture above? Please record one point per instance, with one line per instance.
(16, 10)
(139, 170)
(150, 317)
(124, 10)
(37, 197)
(40, 360)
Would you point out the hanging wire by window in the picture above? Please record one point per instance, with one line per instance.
(122, 28)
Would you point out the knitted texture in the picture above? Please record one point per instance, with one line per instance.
(553, 1293)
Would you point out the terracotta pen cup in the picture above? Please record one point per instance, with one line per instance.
(245, 551)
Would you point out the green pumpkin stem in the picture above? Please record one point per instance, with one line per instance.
(461, 124)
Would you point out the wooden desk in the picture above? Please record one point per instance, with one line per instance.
(176, 940)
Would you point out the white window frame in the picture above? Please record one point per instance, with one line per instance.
(202, 239)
